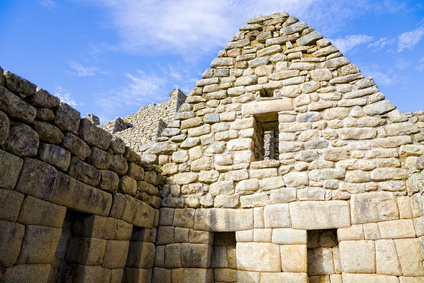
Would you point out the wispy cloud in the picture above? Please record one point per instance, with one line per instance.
(420, 67)
(65, 96)
(408, 40)
(382, 42)
(48, 4)
(84, 71)
(351, 41)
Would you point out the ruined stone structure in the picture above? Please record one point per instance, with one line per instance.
(284, 164)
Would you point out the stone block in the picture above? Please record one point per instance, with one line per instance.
(123, 230)
(165, 235)
(296, 179)
(283, 195)
(270, 277)
(28, 273)
(185, 178)
(247, 186)
(373, 207)
(223, 220)
(11, 235)
(11, 204)
(196, 255)
(277, 216)
(87, 251)
(184, 217)
(95, 226)
(48, 132)
(287, 236)
(35, 211)
(84, 172)
(255, 200)
(320, 261)
(162, 275)
(76, 146)
(94, 135)
(55, 155)
(357, 256)
(141, 255)
(371, 231)
(109, 181)
(371, 278)
(396, 229)
(22, 141)
(294, 258)
(16, 107)
(244, 236)
(127, 185)
(263, 107)
(258, 257)
(99, 158)
(410, 257)
(67, 118)
(189, 275)
(173, 256)
(320, 215)
(39, 244)
(10, 166)
(387, 261)
(4, 127)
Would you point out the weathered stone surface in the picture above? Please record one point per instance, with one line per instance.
(357, 133)
(195, 255)
(319, 215)
(294, 258)
(84, 172)
(188, 275)
(42, 98)
(94, 135)
(48, 132)
(10, 166)
(223, 220)
(11, 235)
(321, 261)
(277, 216)
(396, 229)
(287, 236)
(373, 207)
(11, 204)
(141, 255)
(263, 107)
(55, 155)
(269, 50)
(321, 75)
(221, 62)
(118, 164)
(116, 254)
(16, 107)
(17, 84)
(387, 261)
(379, 107)
(67, 118)
(357, 256)
(296, 27)
(309, 38)
(296, 179)
(35, 211)
(410, 257)
(258, 62)
(371, 278)
(398, 129)
(258, 257)
(39, 244)
(76, 146)
(22, 141)
(28, 273)
(185, 178)
(127, 185)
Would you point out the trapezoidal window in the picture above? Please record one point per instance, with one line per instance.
(266, 137)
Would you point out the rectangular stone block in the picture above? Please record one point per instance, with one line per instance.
(39, 244)
(116, 254)
(184, 217)
(10, 166)
(410, 257)
(357, 256)
(373, 207)
(39, 212)
(277, 216)
(87, 251)
(282, 277)
(294, 258)
(387, 261)
(196, 255)
(354, 232)
(162, 275)
(396, 229)
(258, 257)
(371, 278)
(173, 256)
(11, 235)
(223, 220)
(319, 215)
(189, 275)
(11, 202)
(262, 107)
(287, 236)
(141, 255)
(28, 273)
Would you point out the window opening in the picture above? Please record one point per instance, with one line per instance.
(224, 259)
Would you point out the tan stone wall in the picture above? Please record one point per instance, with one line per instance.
(75, 201)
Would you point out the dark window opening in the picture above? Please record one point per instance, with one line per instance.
(224, 259)
(266, 137)
(323, 255)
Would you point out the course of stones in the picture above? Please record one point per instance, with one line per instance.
(283, 164)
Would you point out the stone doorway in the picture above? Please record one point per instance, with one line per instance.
(323, 256)
(224, 259)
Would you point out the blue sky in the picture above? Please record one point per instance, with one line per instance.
(109, 57)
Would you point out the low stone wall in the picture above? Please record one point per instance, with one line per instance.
(76, 203)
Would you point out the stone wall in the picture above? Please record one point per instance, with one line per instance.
(76, 204)
(139, 129)
(346, 167)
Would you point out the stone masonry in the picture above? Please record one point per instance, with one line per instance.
(283, 164)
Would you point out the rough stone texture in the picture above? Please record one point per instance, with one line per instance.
(357, 256)
(22, 141)
(258, 257)
(10, 166)
(373, 207)
(67, 118)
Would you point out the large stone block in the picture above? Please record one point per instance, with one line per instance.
(87, 251)
(319, 215)
(357, 256)
(11, 235)
(22, 141)
(368, 278)
(11, 204)
(17, 84)
(196, 255)
(294, 258)
(223, 220)
(396, 229)
(296, 179)
(162, 275)
(16, 107)
(94, 135)
(373, 207)
(410, 257)
(76, 145)
(269, 277)
(184, 217)
(48, 132)
(84, 172)
(99, 158)
(42, 98)
(387, 261)
(67, 118)
(39, 244)
(28, 273)
(189, 275)
(10, 166)
(277, 216)
(35, 211)
(55, 155)
(258, 257)
(262, 107)
(287, 236)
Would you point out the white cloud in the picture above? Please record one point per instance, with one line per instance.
(48, 4)
(351, 41)
(83, 71)
(382, 42)
(65, 96)
(409, 39)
